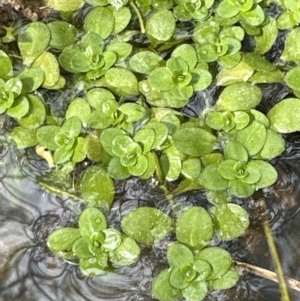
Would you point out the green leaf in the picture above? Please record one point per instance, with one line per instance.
(62, 239)
(191, 168)
(79, 150)
(122, 17)
(268, 173)
(147, 225)
(203, 268)
(72, 127)
(116, 170)
(239, 97)
(211, 179)
(32, 79)
(236, 151)
(145, 61)
(252, 137)
(103, 99)
(179, 255)
(63, 6)
(36, 114)
(161, 25)
(80, 109)
(121, 81)
(161, 79)
(186, 52)
(253, 17)
(19, 108)
(122, 50)
(74, 60)
(6, 70)
(32, 41)
(257, 62)
(107, 136)
(284, 116)
(162, 289)
(97, 187)
(140, 167)
(126, 254)
(274, 145)
(292, 78)
(93, 266)
(93, 147)
(146, 138)
(291, 50)
(239, 73)
(112, 240)
(101, 21)
(201, 79)
(178, 280)
(219, 259)
(122, 145)
(227, 10)
(45, 136)
(48, 63)
(194, 141)
(91, 223)
(267, 38)
(239, 188)
(161, 133)
(151, 166)
(227, 169)
(24, 137)
(194, 227)
(174, 163)
(62, 33)
(62, 155)
(133, 111)
(81, 248)
(196, 291)
(230, 220)
(226, 281)
(259, 116)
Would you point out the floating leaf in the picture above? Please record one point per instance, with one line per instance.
(179, 255)
(33, 41)
(63, 239)
(236, 151)
(127, 253)
(219, 259)
(48, 63)
(6, 70)
(267, 38)
(36, 114)
(32, 79)
(268, 173)
(211, 179)
(19, 108)
(62, 33)
(81, 248)
(252, 137)
(284, 116)
(186, 52)
(107, 136)
(116, 170)
(24, 137)
(161, 25)
(93, 147)
(228, 280)
(79, 108)
(112, 240)
(230, 220)
(65, 6)
(194, 141)
(196, 291)
(191, 168)
(194, 227)
(45, 136)
(291, 47)
(145, 61)
(101, 21)
(147, 225)
(122, 50)
(97, 187)
(274, 145)
(162, 289)
(122, 17)
(257, 62)
(239, 97)
(122, 81)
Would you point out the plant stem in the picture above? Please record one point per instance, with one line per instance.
(137, 11)
(243, 266)
(278, 268)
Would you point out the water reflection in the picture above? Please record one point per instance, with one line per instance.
(29, 272)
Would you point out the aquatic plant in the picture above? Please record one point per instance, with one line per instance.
(134, 65)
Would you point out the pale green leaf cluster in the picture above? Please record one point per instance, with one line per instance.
(93, 244)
